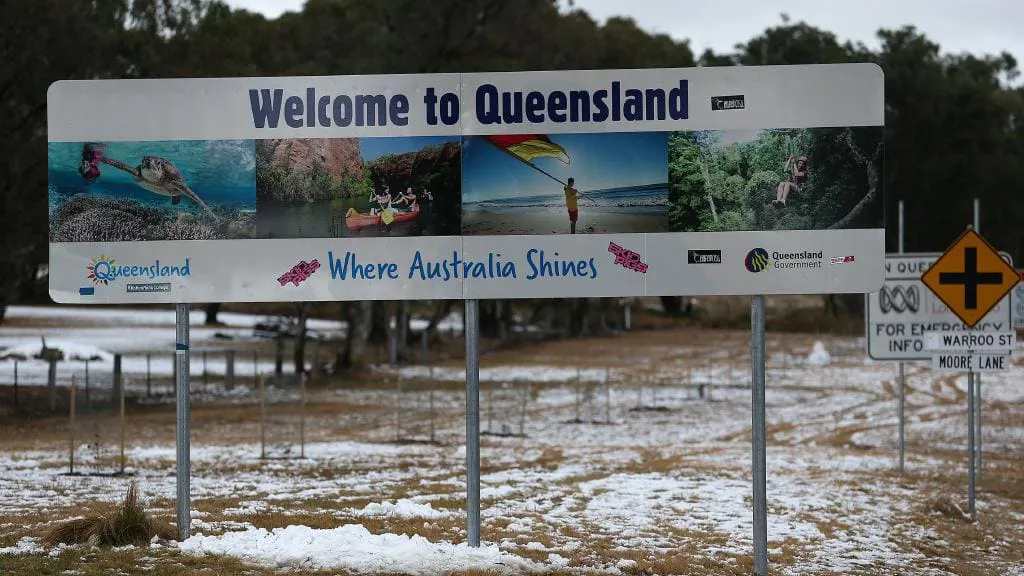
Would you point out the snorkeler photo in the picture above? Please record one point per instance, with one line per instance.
(167, 190)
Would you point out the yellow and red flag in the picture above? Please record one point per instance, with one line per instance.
(526, 147)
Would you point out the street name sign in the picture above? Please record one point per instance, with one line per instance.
(970, 341)
(970, 277)
(964, 362)
(899, 315)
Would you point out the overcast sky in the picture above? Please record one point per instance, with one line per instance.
(975, 26)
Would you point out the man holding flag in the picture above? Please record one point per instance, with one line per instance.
(571, 195)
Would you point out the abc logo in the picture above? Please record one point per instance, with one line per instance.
(756, 260)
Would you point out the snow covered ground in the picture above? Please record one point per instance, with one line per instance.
(624, 472)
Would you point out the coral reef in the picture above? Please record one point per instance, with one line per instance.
(95, 219)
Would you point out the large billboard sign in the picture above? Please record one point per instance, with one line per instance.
(901, 313)
(616, 183)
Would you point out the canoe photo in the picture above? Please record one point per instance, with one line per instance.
(357, 187)
(160, 190)
(587, 183)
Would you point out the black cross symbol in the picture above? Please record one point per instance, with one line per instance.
(970, 278)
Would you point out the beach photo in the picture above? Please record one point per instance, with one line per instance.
(776, 179)
(340, 187)
(165, 190)
(565, 183)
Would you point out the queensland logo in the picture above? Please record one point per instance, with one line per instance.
(841, 259)
(99, 270)
(757, 260)
(104, 270)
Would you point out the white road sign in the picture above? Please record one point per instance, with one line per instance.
(970, 341)
(899, 315)
(954, 362)
(1018, 304)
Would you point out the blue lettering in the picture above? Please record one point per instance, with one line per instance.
(512, 107)
(370, 110)
(293, 111)
(579, 106)
(535, 106)
(678, 101)
(556, 106)
(487, 104)
(338, 268)
(430, 99)
(265, 111)
(602, 107)
(449, 108)
(655, 101)
(342, 110)
(397, 109)
(321, 111)
(634, 105)
(533, 267)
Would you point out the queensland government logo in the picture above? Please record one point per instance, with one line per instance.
(105, 271)
(759, 260)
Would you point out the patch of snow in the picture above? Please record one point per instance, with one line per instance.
(352, 547)
(27, 545)
(819, 356)
(403, 508)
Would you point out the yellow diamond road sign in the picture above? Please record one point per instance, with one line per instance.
(970, 278)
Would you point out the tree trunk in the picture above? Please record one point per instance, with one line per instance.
(302, 312)
(211, 313)
(673, 305)
(441, 311)
(358, 316)
(874, 181)
(379, 322)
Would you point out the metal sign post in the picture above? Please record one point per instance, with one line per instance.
(902, 379)
(971, 278)
(184, 419)
(473, 423)
(977, 377)
(758, 432)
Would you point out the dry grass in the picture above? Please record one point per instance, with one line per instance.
(112, 525)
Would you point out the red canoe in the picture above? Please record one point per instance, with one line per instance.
(355, 220)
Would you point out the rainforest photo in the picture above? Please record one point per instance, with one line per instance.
(776, 179)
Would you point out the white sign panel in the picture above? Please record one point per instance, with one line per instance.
(954, 362)
(1018, 304)
(970, 341)
(450, 186)
(905, 310)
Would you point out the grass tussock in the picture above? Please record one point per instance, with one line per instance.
(112, 525)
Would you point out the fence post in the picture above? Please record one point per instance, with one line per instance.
(255, 368)
(433, 385)
(263, 416)
(15, 383)
(122, 430)
(174, 380)
(71, 427)
(206, 374)
(522, 411)
(229, 369)
(279, 358)
(302, 416)
(118, 384)
(607, 396)
(87, 383)
(149, 377)
(51, 384)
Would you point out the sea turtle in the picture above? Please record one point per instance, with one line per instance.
(156, 174)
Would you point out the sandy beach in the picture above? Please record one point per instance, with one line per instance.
(480, 222)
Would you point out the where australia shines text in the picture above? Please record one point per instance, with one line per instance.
(539, 263)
